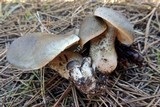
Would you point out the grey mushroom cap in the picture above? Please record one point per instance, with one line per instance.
(121, 23)
(90, 28)
(35, 50)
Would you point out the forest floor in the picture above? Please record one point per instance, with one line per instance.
(129, 87)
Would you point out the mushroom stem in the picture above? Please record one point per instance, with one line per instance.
(103, 52)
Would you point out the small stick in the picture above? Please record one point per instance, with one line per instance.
(43, 87)
(151, 103)
(156, 103)
(141, 98)
(39, 20)
(65, 93)
(110, 94)
(75, 97)
(151, 44)
(147, 28)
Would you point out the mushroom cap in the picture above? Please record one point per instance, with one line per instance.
(120, 22)
(35, 50)
(90, 28)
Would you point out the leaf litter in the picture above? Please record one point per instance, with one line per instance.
(133, 86)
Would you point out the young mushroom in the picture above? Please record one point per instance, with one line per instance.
(102, 49)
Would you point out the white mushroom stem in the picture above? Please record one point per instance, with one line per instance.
(103, 52)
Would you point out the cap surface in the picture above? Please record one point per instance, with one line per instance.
(35, 50)
(120, 22)
(90, 28)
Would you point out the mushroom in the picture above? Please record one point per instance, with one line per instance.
(102, 46)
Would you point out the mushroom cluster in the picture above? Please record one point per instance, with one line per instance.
(35, 50)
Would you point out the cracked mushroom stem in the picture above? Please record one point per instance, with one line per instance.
(35, 50)
(121, 23)
(90, 28)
